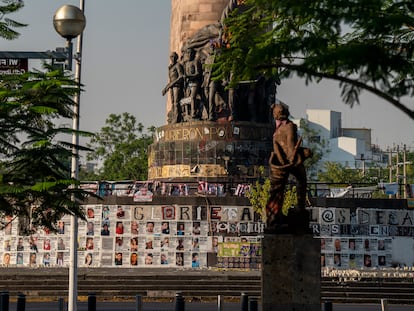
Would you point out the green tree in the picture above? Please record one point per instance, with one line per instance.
(35, 183)
(365, 45)
(311, 139)
(334, 172)
(6, 24)
(122, 147)
(410, 167)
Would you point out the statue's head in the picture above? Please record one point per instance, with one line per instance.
(173, 56)
(280, 111)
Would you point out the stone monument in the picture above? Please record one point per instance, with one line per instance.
(212, 132)
(224, 135)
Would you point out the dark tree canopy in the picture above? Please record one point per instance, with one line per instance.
(363, 44)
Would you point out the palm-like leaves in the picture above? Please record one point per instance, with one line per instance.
(35, 179)
(6, 24)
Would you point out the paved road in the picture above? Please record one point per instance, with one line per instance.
(193, 306)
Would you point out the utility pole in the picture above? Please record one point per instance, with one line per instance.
(363, 164)
(390, 167)
(397, 171)
(405, 170)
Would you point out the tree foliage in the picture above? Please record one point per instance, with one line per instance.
(35, 182)
(121, 145)
(334, 172)
(311, 139)
(365, 45)
(410, 167)
(7, 25)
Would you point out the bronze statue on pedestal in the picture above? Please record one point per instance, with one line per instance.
(286, 159)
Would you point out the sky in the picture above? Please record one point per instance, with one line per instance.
(125, 62)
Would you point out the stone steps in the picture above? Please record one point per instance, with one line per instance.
(125, 284)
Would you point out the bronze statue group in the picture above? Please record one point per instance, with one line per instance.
(196, 95)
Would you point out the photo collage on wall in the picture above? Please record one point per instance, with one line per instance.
(122, 235)
(134, 235)
(41, 248)
(353, 253)
(361, 238)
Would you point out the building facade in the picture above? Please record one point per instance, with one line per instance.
(350, 147)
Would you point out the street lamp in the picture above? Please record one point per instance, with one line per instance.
(69, 21)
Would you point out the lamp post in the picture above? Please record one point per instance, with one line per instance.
(69, 21)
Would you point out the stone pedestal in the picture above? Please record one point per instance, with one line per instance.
(193, 151)
(291, 273)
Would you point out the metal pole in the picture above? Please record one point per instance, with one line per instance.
(384, 305)
(219, 303)
(138, 303)
(405, 171)
(244, 302)
(397, 177)
(73, 266)
(5, 301)
(91, 302)
(61, 304)
(21, 302)
(69, 50)
(327, 306)
(390, 164)
(253, 304)
(179, 302)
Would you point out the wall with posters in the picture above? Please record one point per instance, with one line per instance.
(244, 254)
(135, 235)
(145, 234)
(360, 238)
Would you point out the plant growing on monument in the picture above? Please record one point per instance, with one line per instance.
(259, 193)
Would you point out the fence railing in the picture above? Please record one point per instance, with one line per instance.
(148, 189)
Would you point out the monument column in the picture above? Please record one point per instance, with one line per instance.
(188, 16)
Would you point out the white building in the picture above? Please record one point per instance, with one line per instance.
(350, 147)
